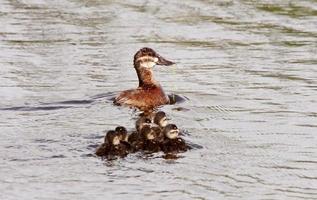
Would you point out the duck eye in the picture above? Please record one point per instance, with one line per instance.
(120, 129)
(148, 121)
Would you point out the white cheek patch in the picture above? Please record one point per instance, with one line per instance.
(163, 122)
(116, 141)
(150, 137)
(148, 64)
(150, 58)
(173, 134)
(147, 61)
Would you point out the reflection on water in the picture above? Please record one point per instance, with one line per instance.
(246, 70)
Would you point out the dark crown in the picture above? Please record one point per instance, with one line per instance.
(145, 51)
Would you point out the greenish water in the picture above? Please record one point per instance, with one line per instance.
(247, 69)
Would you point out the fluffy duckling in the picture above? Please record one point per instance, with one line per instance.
(105, 146)
(151, 139)
(172, 142)
(135, 136)
(113, 146)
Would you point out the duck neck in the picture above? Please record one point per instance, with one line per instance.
(145, 76)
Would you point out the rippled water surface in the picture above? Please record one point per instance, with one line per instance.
(247, 69)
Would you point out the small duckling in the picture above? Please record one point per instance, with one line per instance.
(151, 141)
(160, 119)
(104, 146)
(113, 146)
(135, 136)
(172, 142)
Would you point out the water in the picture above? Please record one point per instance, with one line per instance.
(247, 69)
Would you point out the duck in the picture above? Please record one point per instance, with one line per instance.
(104, 146)
(135, 136)
(151, 139)
(149, 94)
(172, 142)
(112, 146)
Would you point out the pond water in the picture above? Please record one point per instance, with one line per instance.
(247, 70)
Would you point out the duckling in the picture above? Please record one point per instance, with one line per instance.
(135, 136)
(172, 142)
(143, 120)
(113, 146)
(151, 139)
(160, 119)
(104, 146)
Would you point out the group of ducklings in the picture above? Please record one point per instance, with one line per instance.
(153, 134)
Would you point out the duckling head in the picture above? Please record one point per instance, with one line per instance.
(160, 119)
(171, 131)
(141, 122)
(113, 137)
(122, 131)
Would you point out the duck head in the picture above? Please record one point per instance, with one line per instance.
(113, 138)
(160, 119)
(142, 121)
(148, 58)
(122, 132)
(150, 132)
(171, 131)
(144, 60)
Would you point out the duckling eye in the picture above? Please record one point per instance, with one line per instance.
(148, 121)
(120, 129)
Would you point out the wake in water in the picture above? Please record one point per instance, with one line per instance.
(103, 97)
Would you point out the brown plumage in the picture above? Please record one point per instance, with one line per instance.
(111, 151)
(113, 147)
(172, 142)
(176, 145)
(135, 138)
(149, 94)
(152, 139)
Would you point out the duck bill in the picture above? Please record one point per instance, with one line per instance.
(163, 61)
